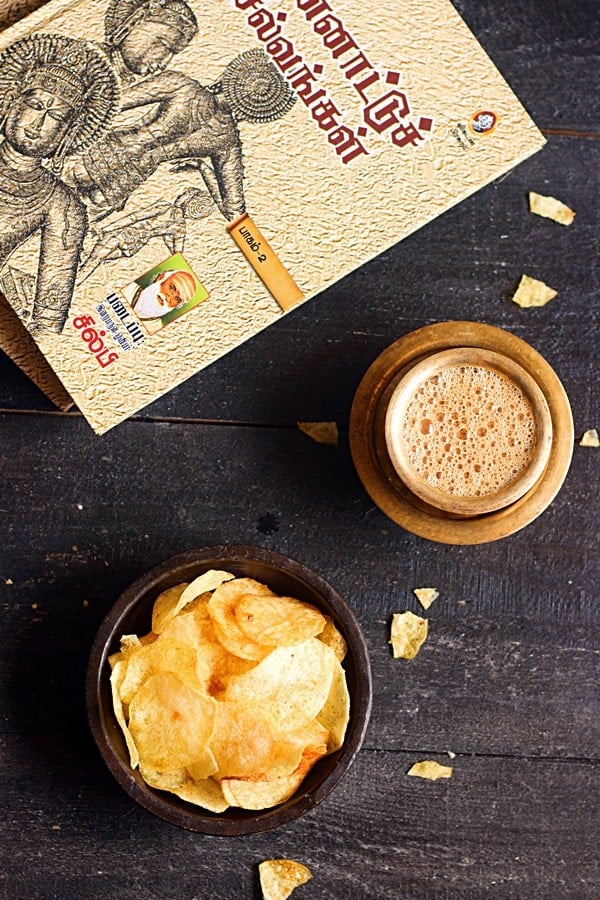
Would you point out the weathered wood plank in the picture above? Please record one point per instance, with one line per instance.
(499, 828)
(512, 669)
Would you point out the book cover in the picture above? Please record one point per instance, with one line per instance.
(188, 172)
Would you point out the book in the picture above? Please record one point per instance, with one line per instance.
(189, 172)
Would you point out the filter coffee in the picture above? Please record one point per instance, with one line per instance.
(468, 431)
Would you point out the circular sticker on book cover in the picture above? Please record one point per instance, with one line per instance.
(483, 122)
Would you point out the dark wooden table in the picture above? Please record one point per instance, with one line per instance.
(508, 679)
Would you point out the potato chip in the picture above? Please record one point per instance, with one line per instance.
(550, 208)
(321, 432)
(204, 766)
(222, 606)
(335, 714)
(163, 655)
(245, 742)
(332, 637)
(277, 621)
(292, 683)
(590, 438)
(533, 293)
(279, 877)
(407, 634)
(170, 723)
(426, 596)
(262, 793)
(164, 607)
(430, 770)
(207, 794)
(116, 680)
(208, 581)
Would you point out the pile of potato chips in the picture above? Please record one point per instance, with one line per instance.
(233, 696)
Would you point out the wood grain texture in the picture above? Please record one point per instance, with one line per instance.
(508, 676)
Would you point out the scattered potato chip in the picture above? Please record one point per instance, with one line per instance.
(279, 877)
(407, 634)
(214, 716)
(533, 293)
(321, 432)
(550, 208)
(590, 438)
(426, 596)
(430, 770)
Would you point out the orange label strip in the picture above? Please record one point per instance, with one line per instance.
(265, 261)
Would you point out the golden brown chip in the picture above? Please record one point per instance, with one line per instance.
(550, 208)
(279, 877)
(332, 637)
(263, 793)
(170, 723)
(321, 432)
(222, 606)
(163, 655)
(335, 714)
(277, 621)
(426, 596)
(533, 293)
(208, 581)
(164, 607)
(430, 770)
(407, 634)
(245, 742)
(206, 793)
(116, 680)
(590, 438)
(291, 683)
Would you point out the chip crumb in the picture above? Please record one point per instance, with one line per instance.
(56, 828)
(35, 606)
(550, 208)
(8, 581)
(279, 877)
(426, 596)
(86, 602)
(430, 770)
(532, 292)
(407, 634)
(321, 432)
(590, 438)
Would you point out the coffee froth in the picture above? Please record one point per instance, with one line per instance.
(468, 431)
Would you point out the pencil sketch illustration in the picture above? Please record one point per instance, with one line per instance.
(127, 235)
(56, 95)
(85, 125)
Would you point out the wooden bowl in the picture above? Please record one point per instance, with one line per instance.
(132, 615)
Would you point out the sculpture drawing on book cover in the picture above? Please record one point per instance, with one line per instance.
(66, 160)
